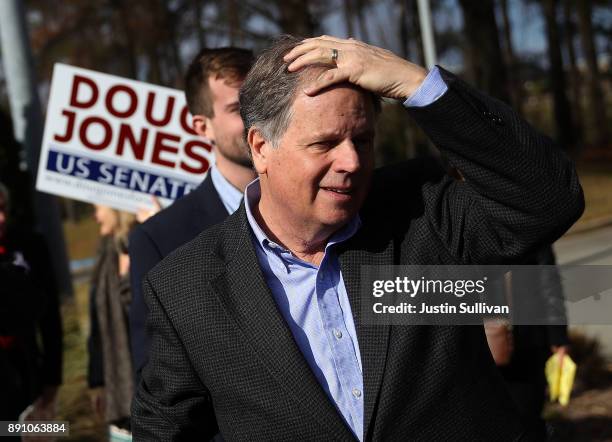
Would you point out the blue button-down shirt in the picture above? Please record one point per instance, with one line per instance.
(315, 305)
(432, 88)
(314, 301)
(229, 195)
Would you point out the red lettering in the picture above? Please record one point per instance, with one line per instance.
(186, 127)
(159, 147)
(69, 128)
(108, 133)
(138, 147)
(191, 150)
(78, 80)
(149, 110)
(133, 101)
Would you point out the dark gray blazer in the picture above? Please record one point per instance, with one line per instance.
(220, 347)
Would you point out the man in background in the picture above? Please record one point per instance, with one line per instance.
(212, 83)
(541, 294)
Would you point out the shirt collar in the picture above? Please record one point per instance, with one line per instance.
(252, 194)
(230, 196)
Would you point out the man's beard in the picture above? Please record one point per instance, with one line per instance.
(236, 150)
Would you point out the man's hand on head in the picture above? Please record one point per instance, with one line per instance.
(377, 70)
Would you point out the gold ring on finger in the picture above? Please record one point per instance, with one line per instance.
(334, 55)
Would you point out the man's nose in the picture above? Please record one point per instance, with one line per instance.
(347, 159)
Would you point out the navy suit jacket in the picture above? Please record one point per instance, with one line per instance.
(151, 241)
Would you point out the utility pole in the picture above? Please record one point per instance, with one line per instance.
(28, 124)
(429, 45)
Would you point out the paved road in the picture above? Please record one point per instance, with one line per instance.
(593, 247)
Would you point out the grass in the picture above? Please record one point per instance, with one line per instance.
(81, 237)
(74, 405)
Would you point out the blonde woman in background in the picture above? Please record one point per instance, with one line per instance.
(110, 367)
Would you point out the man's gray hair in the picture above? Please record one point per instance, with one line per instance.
(268, 92)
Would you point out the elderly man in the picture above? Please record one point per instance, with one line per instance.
(257, 321)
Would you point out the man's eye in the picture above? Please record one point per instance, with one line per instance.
(323, 145)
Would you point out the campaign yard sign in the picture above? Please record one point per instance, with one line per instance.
(114, 141)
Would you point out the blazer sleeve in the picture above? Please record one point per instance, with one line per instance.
(171, 403)
(519, 190)
(144, 255)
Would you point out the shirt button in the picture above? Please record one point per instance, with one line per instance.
(357, 392)
(338, 333)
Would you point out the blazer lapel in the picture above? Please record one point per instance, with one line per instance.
(243, 292)
(367, 248)
(208, 206)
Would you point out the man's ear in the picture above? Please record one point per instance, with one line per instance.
(260, 149)
(202, 127)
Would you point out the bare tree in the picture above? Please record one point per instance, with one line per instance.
(514, 77)
(416, 32)
(295, 17)
(483, 51)
(403, 18)
(562, 112)
(360, 6)
(349, 14)
(233, 21)
(196, 6)
(575, 81)
(126, 38)
(410, 31)
(596, 96)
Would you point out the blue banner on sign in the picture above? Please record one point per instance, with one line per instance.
(116, 175)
